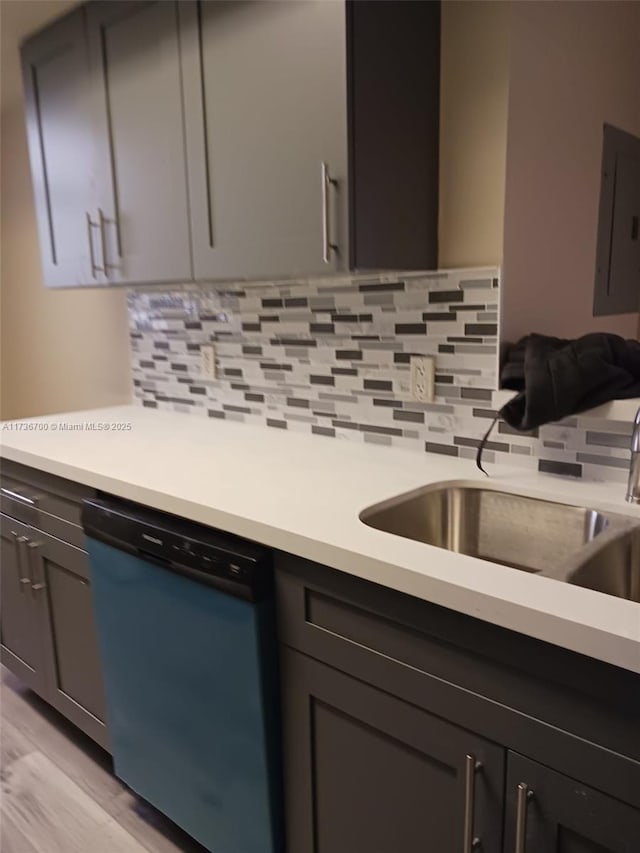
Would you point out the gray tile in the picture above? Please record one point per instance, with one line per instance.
(372, 438)
(445, 449)
(565, 469)
(320, 430)
(380, 430)
(303, 419)
(476, 283)
(475, 442)
(609, 461)
(476, 394)
(378, 299)
(608, 439)
(476, 349)
(483, 329)
(436, 296)
(415, 417)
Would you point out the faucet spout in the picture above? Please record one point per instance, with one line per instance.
(633, 488)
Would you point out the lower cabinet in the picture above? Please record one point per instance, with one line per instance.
(22, 613)
(47, 624)
(547, 811)
(406, 729)
(367, 771)
(71, 643)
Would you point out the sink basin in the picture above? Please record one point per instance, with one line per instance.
(514, 530)
(613, 568)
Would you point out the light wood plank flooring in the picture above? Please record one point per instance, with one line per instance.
(58, 792)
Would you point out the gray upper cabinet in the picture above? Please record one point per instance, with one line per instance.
(231, 139)
(266, 107)
(142, 193)
(61, 148)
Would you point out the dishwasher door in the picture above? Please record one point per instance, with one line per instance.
(192, 699)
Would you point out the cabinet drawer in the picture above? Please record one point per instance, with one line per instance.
(49, 503)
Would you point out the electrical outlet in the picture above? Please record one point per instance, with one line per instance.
(423, 378)
(208, 361)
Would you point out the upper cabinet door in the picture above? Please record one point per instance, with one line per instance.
(142, 193)
(265, 108)
(56, 77)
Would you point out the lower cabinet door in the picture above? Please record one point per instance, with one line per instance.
(366, 771)
(548, 812)
(61, 577)
(20, 612)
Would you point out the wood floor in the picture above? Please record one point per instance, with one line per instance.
(58, 792)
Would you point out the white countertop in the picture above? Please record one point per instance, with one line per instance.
(303, 493)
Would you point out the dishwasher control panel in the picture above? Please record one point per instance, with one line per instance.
(240, 567)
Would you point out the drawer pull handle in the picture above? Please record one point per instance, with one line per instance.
(472, 767)
(16, 496)
(525, 794)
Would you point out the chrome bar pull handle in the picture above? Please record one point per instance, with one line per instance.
(94, 267)
(472, 767)
(524, 795)
(20, 541)
(34, 549)
(327, 245)
(16, 496)
(102, 220)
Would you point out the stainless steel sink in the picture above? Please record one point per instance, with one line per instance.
(533, 535)
(613, 568)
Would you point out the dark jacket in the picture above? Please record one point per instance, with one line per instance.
(557, 378)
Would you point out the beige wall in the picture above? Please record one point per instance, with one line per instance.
(474, 94)
(60, 350)
(575, 66)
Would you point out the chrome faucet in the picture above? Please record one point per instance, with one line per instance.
(633, 489)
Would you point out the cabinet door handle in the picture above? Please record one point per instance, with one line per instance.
(34, 548)
(327, 245)
(524, 795)
(94, 268)
(20, 541)
(102, 221)
(472, 767)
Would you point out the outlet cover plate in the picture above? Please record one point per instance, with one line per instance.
(423, 378)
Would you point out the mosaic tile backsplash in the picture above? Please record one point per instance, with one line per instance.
(331, 356)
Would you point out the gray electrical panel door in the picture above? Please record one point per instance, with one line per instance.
(265, 106)
(617, 288)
